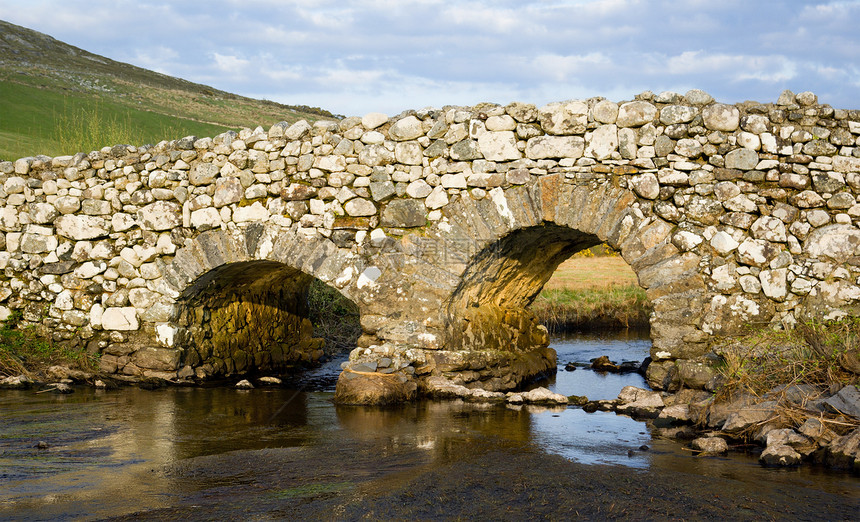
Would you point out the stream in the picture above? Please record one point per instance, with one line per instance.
(279, 452)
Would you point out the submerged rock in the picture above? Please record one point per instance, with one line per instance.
(603, 364)
(244, 384)
(577, 400)
(368, 388)
(61, 388)
(638, 402)
(711, 445)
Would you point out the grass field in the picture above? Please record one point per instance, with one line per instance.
(592, 273)
(42, 121)
(592, 293)
(56, 99)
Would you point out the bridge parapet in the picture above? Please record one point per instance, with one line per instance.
(441, 225)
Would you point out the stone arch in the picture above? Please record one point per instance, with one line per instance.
(518, 238)
(240, 300)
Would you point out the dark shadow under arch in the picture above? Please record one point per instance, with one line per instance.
(248, 317)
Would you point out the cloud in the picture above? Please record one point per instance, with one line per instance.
(738, 67)
(229, 63)
(352, 56)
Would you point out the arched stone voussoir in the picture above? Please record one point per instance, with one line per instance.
(524, 201)
(479, 220)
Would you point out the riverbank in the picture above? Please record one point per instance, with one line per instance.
(592, 293)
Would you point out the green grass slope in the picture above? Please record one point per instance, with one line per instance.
(57, 99)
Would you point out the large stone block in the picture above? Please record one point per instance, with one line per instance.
(161, 215)
(81, 227)
(158, 359)
(404, 213)
(552, 147)
(564, 118)
(120, 318)
(636, 114)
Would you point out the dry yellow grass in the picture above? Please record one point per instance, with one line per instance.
(592, 292)
(592, 273)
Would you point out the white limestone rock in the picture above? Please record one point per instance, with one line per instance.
(360, 207)
(373, 120)
(769, 228)
(774, 283)
(120, 318)
(721, 117)
(501, 123)
(723, 242)
(438, 198)
(405, 129)
(81, 227)
(418, 189)
(297, 130)
(686, 241)
(605, 111)
(672, 114)
(604, 141)
(206, 218)
(552, 147)
(161, 215)
(636, 114)
(743, 159)
(837, 242)
(564, 118)
(499, 146)
(646, 185)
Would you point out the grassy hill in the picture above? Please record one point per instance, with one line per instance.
(58, 99)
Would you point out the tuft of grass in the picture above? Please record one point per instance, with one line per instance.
(563, 309)
(818, 354)
(335, 318)
(22, 351)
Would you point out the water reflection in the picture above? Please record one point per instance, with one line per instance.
(115, 452)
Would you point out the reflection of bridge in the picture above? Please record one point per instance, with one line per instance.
(193, 257)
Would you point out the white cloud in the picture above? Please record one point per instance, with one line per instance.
(353, 57)
(738, 67)
(229, 63)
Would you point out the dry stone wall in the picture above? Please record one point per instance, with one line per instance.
(441, 225)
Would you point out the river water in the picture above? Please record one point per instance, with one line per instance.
(288, 452)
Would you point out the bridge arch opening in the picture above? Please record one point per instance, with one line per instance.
(262, 316)
(491, 310)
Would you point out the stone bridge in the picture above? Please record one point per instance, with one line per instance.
(191, 259)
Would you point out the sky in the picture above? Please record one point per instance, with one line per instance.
(387, 56)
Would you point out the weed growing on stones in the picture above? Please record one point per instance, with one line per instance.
(821, 354)
(23, 351)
